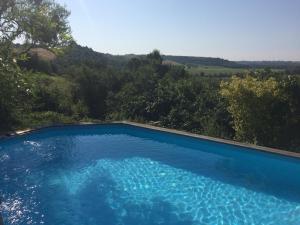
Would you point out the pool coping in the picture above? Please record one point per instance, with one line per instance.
(218, 140)
(167, 130)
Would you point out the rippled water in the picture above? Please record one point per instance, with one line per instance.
(122, 175)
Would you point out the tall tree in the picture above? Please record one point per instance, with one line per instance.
(31, 23)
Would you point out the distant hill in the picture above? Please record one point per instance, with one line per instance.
(203, 61)
(270, 64)
(47, 61)
(79, 55)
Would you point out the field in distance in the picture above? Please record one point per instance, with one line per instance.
(220, 70)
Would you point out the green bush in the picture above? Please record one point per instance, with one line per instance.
(36, 119)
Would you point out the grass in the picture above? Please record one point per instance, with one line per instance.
(213, 70)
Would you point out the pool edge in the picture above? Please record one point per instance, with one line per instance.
(168, 130)
(219, 140)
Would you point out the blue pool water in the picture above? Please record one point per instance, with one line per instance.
(124, 175)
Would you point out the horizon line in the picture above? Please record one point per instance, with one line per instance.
(196, 56)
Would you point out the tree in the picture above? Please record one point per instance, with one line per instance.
(263, 110)
(32, 23)
(155, 57)
(12, 90)
(93, 91)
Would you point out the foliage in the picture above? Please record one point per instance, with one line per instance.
(13, 93)
(264, 111)
(157, 92)
(47, 118)
(52, 93)
(92, 90)
(37, 23)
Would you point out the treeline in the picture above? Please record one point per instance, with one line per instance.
(261, 108)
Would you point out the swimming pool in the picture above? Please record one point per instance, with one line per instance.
(120, 174)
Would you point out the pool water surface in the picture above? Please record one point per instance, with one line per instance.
(125, 175)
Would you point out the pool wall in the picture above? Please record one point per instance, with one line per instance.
(168, 130)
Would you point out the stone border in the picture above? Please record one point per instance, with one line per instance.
(172, 131)
(218, 140)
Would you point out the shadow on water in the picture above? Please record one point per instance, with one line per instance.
(253, 170)
(107, 206)
(100, 202)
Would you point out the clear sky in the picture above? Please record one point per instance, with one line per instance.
(231, 29)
